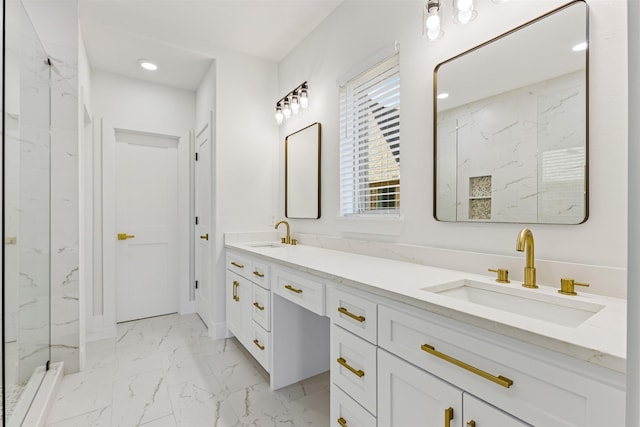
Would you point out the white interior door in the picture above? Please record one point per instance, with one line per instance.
(147, 261)
(203, 214)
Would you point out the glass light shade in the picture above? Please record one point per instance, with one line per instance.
(295, 105)
(286, 109)
(279, 115)
(464, 12)
(147, 65)
(304, 100)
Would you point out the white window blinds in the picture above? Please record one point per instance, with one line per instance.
(370, 141)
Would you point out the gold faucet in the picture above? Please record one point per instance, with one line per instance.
(286, 240)
(525, 243)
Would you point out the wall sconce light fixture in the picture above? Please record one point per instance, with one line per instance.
(463, 13)
(292, 102)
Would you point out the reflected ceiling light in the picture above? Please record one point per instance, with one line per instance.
(147, 64)
(580, 47)
(292, 102)
(443, 95)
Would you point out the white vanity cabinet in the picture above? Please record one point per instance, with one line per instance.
(395, 364)
(354, 363)
(248, 305)
(535, 385)
(409, 396)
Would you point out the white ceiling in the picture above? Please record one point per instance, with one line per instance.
(183, 36)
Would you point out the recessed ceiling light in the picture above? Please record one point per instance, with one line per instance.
(147, 65)
(443, 95)
(580, 47)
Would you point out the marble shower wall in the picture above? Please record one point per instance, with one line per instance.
(57, 24)
(517, 139)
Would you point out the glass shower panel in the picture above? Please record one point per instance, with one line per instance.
(26, 250)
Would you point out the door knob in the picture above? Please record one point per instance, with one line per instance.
(125, 236)
(205, 236)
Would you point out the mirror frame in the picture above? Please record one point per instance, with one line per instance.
(586, 142)
(287, 172)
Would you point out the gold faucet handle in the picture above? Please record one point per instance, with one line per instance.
(294, 241)
(503, 275)
(283, 240)
(567, 286)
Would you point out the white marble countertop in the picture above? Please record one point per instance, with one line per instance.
(601, 339)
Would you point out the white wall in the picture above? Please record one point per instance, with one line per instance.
(358, 29)
(122, 99)
(245, 154)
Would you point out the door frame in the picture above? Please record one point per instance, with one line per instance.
(109, 231)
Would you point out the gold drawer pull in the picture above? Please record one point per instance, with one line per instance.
(448, 416)
(359, 372)
(353, 316)
(125, 236)
(257, 343)
(257, 273)
(471, 424)
(236, 284)
(342, 422)
(258, 306)
(235, 264)
(500, 380)
(292, 289)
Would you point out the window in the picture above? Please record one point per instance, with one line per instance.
(370, 141)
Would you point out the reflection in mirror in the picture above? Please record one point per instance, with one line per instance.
(302, 173)
(511, 125)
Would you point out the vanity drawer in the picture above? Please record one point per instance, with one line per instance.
(239, 265)
(260, 273)
(300, 290)
(353, 313)
(261, 306)
(346, 411)
(353, 367)
(260, 345)
(543, 391)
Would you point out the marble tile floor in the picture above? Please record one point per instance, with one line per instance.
(165, 371)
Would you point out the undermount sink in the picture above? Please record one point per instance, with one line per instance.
(266, 245)
(559, 310)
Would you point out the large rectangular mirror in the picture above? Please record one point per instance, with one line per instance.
(510, 125)
(302, 173)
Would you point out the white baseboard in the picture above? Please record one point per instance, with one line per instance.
(102, 334)
(219, 331)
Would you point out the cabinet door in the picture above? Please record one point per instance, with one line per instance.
(478, 413)
(408, 396)
(239, 307)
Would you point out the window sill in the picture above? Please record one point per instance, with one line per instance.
(388, 225)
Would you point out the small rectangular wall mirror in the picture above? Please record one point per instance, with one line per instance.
(302, 173)
(510, 125)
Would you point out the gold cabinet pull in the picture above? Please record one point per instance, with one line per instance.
(125, 236)
(258, 274)
(448, 416)
(257, 343)
(342, 422)
(205, 236)
(500, 380)
(471, 424)
(235, 264)
(292, 289)
(236, 298)
(353, 316)
(258, 306)
(358, 372)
